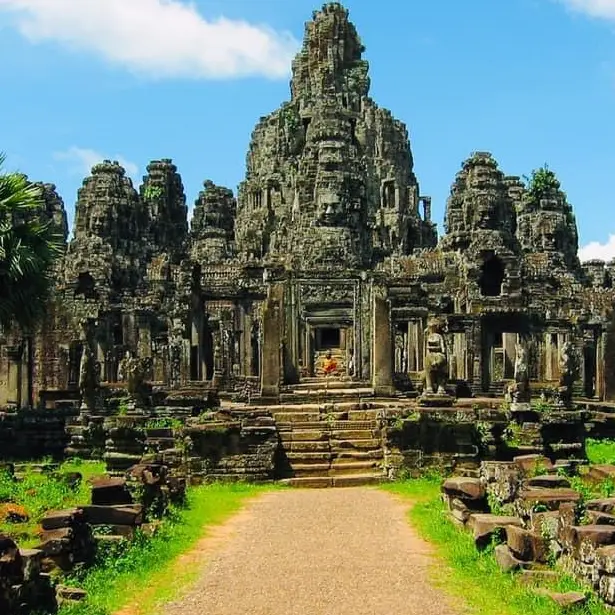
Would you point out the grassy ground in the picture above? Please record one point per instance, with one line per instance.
(143, 574)
(472, 577)
(38, 493)
(600, 451)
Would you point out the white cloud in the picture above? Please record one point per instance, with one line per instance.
(82, 160)
(157, 38)
(601, 9)
(602, 251)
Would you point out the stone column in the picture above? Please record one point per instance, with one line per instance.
(509, 341)
(600, 377)
(272, 340)
(382, 353)
(14, 354)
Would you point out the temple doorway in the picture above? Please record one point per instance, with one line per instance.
(328, 338)
(589, 362)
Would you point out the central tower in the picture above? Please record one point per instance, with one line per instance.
(330, 180)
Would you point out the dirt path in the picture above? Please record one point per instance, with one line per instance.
(314, 552)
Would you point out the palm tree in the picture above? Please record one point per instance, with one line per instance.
(29, 246)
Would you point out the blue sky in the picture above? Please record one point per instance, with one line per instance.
(532, 81)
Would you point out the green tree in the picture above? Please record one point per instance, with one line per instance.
(542, 183)
(29, 246)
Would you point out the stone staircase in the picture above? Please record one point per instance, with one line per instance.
(335, 443)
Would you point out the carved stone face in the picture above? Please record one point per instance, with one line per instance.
(331, 202)
(98, 222)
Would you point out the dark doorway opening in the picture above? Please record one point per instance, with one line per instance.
(195, 364)
(208, 352)
(589, 360)
(328, 337)
(492, 276)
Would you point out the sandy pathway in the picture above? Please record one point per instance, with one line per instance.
(314, 552)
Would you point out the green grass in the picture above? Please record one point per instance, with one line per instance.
(472, 576)
(600, 451)
(144, 572)
(40, 493)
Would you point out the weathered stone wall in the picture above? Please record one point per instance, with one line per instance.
(34, 434)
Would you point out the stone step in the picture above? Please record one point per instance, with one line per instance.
(296, 417)
(311, 469)
(354, 434)
(307, 435)
(359, 455)
(304, 458)
(329, 426)
(320, 482)
(307, 446)
(344, 445)
(344, 468)
(322, 383)
(358, 480)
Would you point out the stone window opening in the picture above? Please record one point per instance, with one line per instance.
(74, 362)
(492, 276)
(388, 194)
(86, 286)
(353, 131)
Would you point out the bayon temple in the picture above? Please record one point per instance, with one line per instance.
(326, 266)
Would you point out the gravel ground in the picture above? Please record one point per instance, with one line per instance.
(314, 552)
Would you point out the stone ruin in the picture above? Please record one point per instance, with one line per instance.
(308, 296)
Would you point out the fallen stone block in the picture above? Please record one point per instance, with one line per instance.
(550, 499)
(109, 491)
(31, 560)
(485, 526)
(535, 577)
(533, 463)
(605, 505)
(459, 511)
(549, 481)
(600, 473)
(606, 587)
(70, 594)
(63, 518)
(114, 515)
(506, 559)
(527, 546)
(11, 567)
(605, 559)
(565, 600)
(596, 517)
(464, 488)
(55, 542)
(584, 540)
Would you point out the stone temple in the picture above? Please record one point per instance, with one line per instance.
(327, 253)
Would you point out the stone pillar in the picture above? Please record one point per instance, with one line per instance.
(509, 341)
(600, 376)
(144, 344)
(14, 354)
(272, 340)
(382, 354)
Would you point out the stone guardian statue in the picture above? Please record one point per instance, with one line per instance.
(436, 361)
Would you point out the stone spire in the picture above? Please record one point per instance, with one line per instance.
(480, 225)
(162, 193)
(107, 249)
(213, 224)
(329, 179)
(479, 204)
(108, 207)
(54, 209)
(546, 223)
(329, 68)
